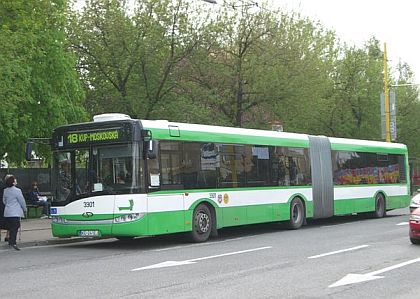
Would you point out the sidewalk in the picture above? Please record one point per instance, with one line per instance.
(37, 232)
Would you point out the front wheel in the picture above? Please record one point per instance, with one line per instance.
(201, 224)
(297, 214)
(380, 210)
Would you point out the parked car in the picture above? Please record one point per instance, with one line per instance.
(414, 225)
(415, 202)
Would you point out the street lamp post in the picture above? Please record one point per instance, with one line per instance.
(388, 107)
(386, 93)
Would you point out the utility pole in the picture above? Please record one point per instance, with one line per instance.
(386, 93)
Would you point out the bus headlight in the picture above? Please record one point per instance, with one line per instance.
(128, 217)
(58, 219)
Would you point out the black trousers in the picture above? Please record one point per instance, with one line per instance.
(13, 223)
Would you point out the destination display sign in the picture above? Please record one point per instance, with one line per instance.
(94, 136)
(82, 137)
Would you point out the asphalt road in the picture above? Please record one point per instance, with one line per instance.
(342, 257)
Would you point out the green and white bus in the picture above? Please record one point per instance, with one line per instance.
(122, 177)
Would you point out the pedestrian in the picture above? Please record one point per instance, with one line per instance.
(15, 208)
(40, 201)
(2, 219)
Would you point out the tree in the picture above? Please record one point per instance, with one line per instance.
(408, 109)
(129, 58)
(39, 88)
(352, 108)
(224, 68)
(302, 55)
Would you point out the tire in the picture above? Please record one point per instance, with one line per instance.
(297, 214)
(380, 210)
(415, 241)
(202, 223)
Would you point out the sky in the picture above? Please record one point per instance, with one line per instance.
(396, 23)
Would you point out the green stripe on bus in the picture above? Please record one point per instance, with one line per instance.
(367, 148)
(221, 190)
(228, 138)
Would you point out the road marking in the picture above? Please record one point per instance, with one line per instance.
(356, 278)
(402, 223)
(195, 245)
(193, 261)
(337, 251)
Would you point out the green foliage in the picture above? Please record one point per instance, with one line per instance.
(39, 88)
(184, 60)
(129, 61)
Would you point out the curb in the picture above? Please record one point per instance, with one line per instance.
(57, 241)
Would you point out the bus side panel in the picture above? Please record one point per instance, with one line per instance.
(358, 199)
(166, 213)
(128, 204)
(238, 207)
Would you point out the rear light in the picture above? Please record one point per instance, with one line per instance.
(414, 217)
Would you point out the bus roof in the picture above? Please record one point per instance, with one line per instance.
(163, 129)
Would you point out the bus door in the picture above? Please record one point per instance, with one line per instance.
(165, 200)
(322, 180)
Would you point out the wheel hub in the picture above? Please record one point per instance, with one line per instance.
(203, 222)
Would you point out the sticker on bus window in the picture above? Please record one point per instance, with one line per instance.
(154, 180)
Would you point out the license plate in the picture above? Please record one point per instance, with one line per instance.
(89, 233)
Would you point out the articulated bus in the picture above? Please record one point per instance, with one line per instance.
(124, 178)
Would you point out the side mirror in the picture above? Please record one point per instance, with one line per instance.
(152, 148)
(28, 151)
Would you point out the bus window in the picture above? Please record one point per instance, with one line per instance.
(64, 176)
(115, 168)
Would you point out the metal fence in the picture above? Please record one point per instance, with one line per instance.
(25, 177)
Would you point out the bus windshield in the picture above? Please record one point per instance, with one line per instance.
(95, 171)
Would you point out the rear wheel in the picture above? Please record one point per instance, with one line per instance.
(297, 214)
(415, 241)
(201, 224)
(380, 210)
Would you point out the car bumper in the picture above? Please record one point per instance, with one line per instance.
(414, 229)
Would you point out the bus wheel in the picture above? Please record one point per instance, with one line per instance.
(201, 224)
(297, 214)
(380, 210)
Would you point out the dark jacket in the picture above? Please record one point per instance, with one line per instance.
(2, 220)
(34, 196)
(2, 187)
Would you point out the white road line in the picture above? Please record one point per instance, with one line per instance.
(337, 251)
(357, 278)
(193, 261)
(402, 223)
(195, 245)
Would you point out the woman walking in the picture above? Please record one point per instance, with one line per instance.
(15, 208)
